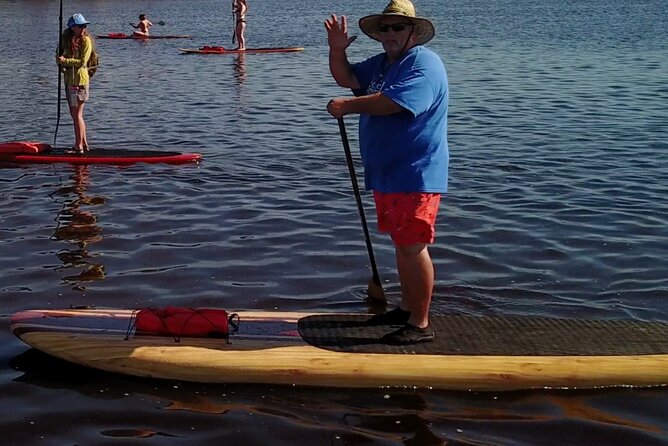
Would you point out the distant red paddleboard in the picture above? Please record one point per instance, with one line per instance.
(40, 153)
(132, 36)
(223, 50)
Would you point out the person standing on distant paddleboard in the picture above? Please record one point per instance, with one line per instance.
(239, 8)
(143, 26)
(402, 98)
(77, 46)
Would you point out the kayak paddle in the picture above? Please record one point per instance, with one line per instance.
(161, 23)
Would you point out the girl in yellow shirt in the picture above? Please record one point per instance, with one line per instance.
(77, 47)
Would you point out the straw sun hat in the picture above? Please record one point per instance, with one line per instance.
(423, 29)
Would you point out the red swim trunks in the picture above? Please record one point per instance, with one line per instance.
(409, 217)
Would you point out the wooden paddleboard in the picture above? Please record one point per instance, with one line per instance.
(221, 50)
(325, 349)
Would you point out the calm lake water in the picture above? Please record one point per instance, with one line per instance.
(559, 178)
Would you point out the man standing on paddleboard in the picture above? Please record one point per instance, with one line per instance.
(239, 8)
(401, 96)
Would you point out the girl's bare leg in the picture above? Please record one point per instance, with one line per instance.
(80, 142)
(241, 28)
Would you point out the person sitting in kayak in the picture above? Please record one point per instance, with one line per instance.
(143, 26)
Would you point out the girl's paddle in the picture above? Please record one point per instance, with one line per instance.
(60, 72)
(234, 22)
(375, 290)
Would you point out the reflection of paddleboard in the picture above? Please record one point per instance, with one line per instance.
(484, 353)
(40, 153)
(132, 36)
(222, 50)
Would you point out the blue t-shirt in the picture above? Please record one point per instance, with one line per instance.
(405, 151)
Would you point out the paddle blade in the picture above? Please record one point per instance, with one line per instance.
(375, 291)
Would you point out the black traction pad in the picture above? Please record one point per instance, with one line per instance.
(493, 336)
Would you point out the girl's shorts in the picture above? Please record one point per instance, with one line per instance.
(408, 217)
(77, 95)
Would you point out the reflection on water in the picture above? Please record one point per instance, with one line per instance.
(78, 225)
(133, 433)
(240, 69)
(582, 409)
(240, 94)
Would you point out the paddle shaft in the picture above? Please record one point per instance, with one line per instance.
(234, 23)
(358, 198)
(60, 72)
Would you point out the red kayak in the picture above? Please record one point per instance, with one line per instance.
(134, 36)
(24, 152)
(223, 50)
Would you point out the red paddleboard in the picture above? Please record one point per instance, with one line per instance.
(133, 36)
(223, 50)
(39, 153)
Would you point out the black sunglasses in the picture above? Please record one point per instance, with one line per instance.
(396, 27)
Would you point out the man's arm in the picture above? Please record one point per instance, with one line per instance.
(374, 104)
(338, 40)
